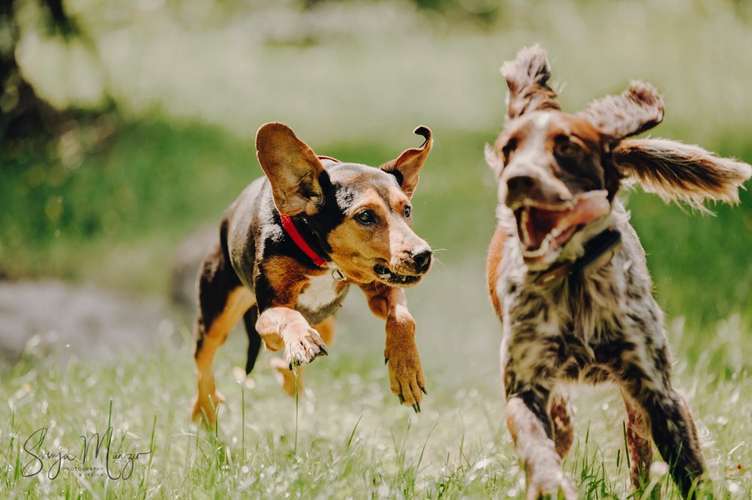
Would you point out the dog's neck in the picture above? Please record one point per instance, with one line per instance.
(598, 251)
(305, 235)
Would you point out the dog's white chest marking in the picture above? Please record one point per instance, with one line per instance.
(320, 292)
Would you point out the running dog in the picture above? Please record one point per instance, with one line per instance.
(288, 249)
(568, 277)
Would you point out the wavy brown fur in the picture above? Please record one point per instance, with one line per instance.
(527, 79)
(681, 172)
(638, 109)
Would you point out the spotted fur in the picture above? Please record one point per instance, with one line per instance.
(600, 322)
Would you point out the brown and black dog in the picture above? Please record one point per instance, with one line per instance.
(289, 247)
(568, 277)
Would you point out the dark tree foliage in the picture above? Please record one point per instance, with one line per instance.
(23, 113)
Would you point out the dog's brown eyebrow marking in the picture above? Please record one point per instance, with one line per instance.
(367, 199)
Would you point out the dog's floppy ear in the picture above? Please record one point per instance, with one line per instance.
(292, 167)
(527, 80)
(406, 167)
(638, 109)
(680, 172)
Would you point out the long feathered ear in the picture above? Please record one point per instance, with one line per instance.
(681, 172)
(638, 109)
(527, 80)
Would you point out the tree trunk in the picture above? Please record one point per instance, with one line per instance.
(23, 113)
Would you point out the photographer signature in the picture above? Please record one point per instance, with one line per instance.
(95, 457)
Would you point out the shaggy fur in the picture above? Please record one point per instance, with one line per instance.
(527, 78)
(581, 310)
(680, 172)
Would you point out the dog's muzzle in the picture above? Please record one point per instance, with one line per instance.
(408, 272)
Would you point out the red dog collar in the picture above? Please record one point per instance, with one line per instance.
(300, 242)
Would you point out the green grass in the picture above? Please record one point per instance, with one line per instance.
(123, 209)
(347, 437)
(126, 207)
(354, 90)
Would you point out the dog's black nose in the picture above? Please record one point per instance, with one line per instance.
(422, 260)
(520, 187)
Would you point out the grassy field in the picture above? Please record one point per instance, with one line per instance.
(352, 437)
(345, 436)
(180, 151)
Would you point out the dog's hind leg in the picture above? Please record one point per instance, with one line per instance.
(639, 446)
(254, 339)
(562, 423)
(222, 302)
(285, 376)
(647, 382)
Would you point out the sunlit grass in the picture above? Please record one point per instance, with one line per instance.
(117, 217)
(353, 439)
(353, 79)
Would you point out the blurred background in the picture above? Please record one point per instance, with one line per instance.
(126, 127)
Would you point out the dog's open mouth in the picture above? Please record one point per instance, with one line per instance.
(544, 228)
(389, 276)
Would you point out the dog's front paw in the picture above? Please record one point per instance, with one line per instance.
(550, 484)
(302, 345)
(406, 378)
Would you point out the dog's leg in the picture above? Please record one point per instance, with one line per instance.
(285, 376)
(638, 442)
(532, 430)
(254, 339)
(222, 301)
(562, 423)
(530, 424)
(647, 382)
(406, 379)
(282, 327)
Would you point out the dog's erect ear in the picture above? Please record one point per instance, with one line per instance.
(406, 167)
(680, 172)
(292, 167)
(638, 109)
(527, 80)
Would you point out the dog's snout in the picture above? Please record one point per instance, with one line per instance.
(527, 185)
(422, 260)
(520, 185)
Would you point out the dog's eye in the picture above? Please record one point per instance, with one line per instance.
(508, 149)
(567, 149)
(407, 211)
(366, 218)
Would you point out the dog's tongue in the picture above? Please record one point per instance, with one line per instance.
(540, 222)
